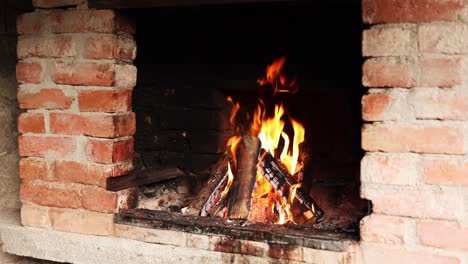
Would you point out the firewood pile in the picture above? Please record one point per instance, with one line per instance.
(234, 202)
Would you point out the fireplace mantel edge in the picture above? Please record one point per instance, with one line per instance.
(43, 243)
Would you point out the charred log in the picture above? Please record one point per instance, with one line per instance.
(142, 177)
(240, 196)
(215, 200)
(283, 182)
(214, 183)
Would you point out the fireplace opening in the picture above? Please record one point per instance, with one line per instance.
(197, 64)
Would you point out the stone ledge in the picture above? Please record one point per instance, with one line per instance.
(60, 246)
(288, 235)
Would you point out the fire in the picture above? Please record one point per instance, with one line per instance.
(270, 130)
(232, 144)
(229, 183)
(276, 77)
(270, 133)
(236, 108)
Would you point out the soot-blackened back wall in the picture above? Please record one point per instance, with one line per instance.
(191, 58)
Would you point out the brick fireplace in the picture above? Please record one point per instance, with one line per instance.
(76, 74)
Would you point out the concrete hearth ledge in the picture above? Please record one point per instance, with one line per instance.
(66, 247)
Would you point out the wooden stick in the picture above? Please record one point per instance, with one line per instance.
(215, 199)
(142, 177)
(218, 173)
(240, 196)
(279, 177)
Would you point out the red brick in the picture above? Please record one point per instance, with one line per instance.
(125, 124)
(77, 21)
(392, 256)
(443, 38)
(38, 193)
(44, 99)
(30, 23)
(384, 229)
(36, 169)
(126, 48)
(385, 104)
(35, 216)
(397, 11)
(442, 234)
(445, 171)
(31, 123)
(80, 221)
(125, 76)
(389, 72)
(100, 200)
(99, 125)
(109, 47)
(85, 73)
(415, 202)
(373, 105)
(89, 173)
(389, 41)
(105, 100)
(288, 252)
(109, 151)
(420, 139)
(28, 72)
(441, 72)
(49, 147)
(56, 3)
(440, 104)
(52, 46)
(100, 47)
(389, 169)
(236, 246)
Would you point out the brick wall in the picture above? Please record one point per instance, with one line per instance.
(76, 77)
(415, 135)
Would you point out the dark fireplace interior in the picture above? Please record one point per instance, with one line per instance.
(190, 59)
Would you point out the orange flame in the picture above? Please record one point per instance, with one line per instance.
(276, 77)
(236, 108)
(270, 132)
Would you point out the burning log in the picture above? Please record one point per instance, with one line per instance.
(216, 200)
(285, 183)
(240, 197)
(213, 187)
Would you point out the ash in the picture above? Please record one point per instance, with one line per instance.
(171, 195)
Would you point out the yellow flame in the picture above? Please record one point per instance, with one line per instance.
(292, 192)
(229, 183)
(284, 212)
(270, 132)
(281, 215)
(232, 144)
(299, 137)
(284, 153)
(271, 129)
